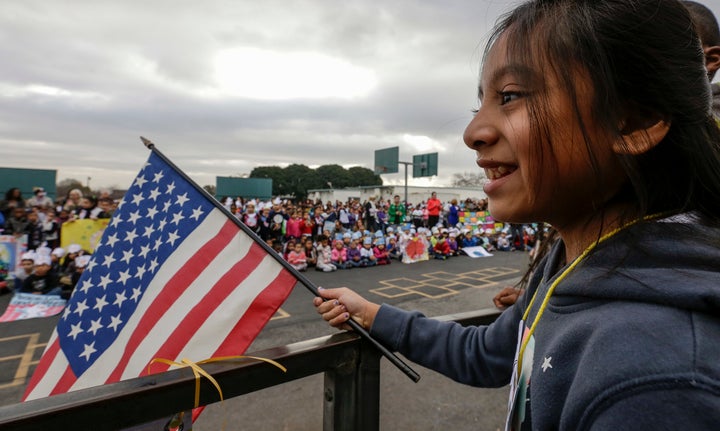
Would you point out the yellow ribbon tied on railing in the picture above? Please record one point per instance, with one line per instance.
(199, 372)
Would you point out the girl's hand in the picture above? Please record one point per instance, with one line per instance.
(507, 297)
(342, 304)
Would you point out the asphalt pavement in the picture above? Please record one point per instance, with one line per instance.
(435, 403)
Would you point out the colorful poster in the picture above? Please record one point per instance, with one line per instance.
(482, 219)
(416, 250)
(86, 233)
(8, 256)
(28, 306)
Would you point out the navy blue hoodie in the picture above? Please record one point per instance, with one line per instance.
(630, 338)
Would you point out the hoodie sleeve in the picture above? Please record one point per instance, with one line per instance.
(474, 355)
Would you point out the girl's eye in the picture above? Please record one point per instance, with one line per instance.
(509, 96)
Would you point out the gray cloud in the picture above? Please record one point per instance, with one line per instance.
(83, 79)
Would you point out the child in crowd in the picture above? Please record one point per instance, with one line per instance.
(296, 257)
(56, 257)
(324, 255)
(503, 242)
(27, 264)
(452, 243)
(51, 229)
(42, 281)
(310, 252)
(382, 256)
(354, 257)
(393, 249)
(441, 249)
(468, 239)
(34, 229)
(367, 254)
(339, 255)
(67, 267)
(251, 218)
(619, 327)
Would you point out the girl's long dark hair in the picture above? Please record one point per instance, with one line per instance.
(644, 61)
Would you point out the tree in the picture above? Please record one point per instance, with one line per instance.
(295, 180)
(360, 176)
(333, 176)
(210, 188)
(469, 179)
(273, 172)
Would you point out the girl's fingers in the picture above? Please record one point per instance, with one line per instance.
(339, 320)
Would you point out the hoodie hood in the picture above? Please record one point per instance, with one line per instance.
(671, 262)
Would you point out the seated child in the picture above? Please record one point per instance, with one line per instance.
(367, 254)
(42, 281)
(441, 249)
(452, 242)
(469, 240)
(393, 249)
(503, 242)
(310, 253)
(324, 255)
(353, 254)
(27, 264)
(382, 256)
(296, 257)
(339, 255)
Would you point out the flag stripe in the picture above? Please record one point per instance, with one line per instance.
(210, 337)
(42, 368)
(217, 294)
(65, 382)
(237, 248)
(174, 288)
(262, 309)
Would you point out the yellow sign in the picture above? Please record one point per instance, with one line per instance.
(87, 233)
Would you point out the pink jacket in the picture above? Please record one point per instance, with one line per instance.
(339, 255)
(296, 258)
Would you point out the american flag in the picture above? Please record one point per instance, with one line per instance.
(173, 277)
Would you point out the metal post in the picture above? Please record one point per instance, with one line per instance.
(406, 166)
(406, 182)
(352, 393)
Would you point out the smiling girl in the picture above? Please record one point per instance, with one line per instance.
(595, 118)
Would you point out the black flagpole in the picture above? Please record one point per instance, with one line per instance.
(405, 368)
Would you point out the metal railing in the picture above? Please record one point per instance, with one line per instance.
(351, 393)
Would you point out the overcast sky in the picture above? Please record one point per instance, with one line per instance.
(222, 86)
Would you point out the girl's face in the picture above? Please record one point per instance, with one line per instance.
(529, 179)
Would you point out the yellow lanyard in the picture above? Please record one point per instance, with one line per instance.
(560, 278)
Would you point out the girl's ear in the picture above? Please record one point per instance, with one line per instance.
(639, 140)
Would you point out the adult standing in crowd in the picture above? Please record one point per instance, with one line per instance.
(434, 206)
(397, 211)
(13, 199)
(39, 199)
(452, 213)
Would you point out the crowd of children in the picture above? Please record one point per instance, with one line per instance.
(47, 271)
(328, 237)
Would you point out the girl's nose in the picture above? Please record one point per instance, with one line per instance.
(479, 132)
